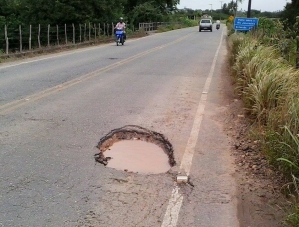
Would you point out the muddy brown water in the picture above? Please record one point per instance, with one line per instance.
(137, 156)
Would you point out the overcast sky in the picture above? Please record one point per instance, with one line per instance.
(264, 5)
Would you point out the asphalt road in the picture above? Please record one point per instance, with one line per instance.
(55, 108)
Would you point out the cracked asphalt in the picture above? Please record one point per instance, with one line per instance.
(54, 109)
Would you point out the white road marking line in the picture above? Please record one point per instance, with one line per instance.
(57, 55)
(189, 151)
(69, 52)
(173, 209)
(52, 90)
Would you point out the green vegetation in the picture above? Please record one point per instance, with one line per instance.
(62, 12)
(290, 12)
(62, 22)
(177, 24)
(263, 68)
(94, 18)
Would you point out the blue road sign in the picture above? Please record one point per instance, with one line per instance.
(245, 24)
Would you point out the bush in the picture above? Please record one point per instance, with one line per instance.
(269, 86)
(181, 23)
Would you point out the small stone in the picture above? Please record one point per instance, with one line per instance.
(237, 145)
(246, 148)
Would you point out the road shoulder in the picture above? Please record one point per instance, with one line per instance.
(260, 202)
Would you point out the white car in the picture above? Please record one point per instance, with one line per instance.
(206, 24)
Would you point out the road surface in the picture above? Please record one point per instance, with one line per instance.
(55, 108)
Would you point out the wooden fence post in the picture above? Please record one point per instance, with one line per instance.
(104, 29)
(297, 53)
(65, 33)
(38, 37)
(99, 29)
(95, 31)
(80, 36)
(57, 34)
(74, 37)
(6, 40)
(20, 32)
(85, 32)
(30, 38)
(107, 29)
(48, 35)
(89, 32)
(112, 29)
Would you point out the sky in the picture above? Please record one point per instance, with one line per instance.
(263, 5)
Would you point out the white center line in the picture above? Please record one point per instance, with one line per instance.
(173, 209)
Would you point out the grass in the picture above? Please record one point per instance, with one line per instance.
(182, 23)
(268, 83)
(292, 218)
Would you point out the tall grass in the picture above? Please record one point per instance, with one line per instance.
(263, 79)
(268, 84)
(292, 147)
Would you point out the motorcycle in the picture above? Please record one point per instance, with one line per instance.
(119, 37)
(217, 26)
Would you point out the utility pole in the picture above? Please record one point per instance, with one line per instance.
(249, 9)
(211, 6)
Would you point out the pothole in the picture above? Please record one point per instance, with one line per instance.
(136, 149)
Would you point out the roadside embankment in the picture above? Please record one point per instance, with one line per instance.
(262, 67)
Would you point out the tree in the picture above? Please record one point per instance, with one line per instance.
(82, 11)
(148, 10)
(290, 12)
(225, 8)
(145, 12)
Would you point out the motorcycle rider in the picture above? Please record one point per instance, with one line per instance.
(121, 25)
(218, 24)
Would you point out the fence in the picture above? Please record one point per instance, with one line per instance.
(153, 26)
(27, 38)
(20, 39)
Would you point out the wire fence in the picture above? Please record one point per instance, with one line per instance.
(26, 38)
(14, 39)
(153, 26)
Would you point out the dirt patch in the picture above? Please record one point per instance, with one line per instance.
(260, 201)
(133, 132)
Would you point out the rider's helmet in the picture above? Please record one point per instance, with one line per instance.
(121, 19)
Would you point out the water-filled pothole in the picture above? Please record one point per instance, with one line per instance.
(136, 149)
